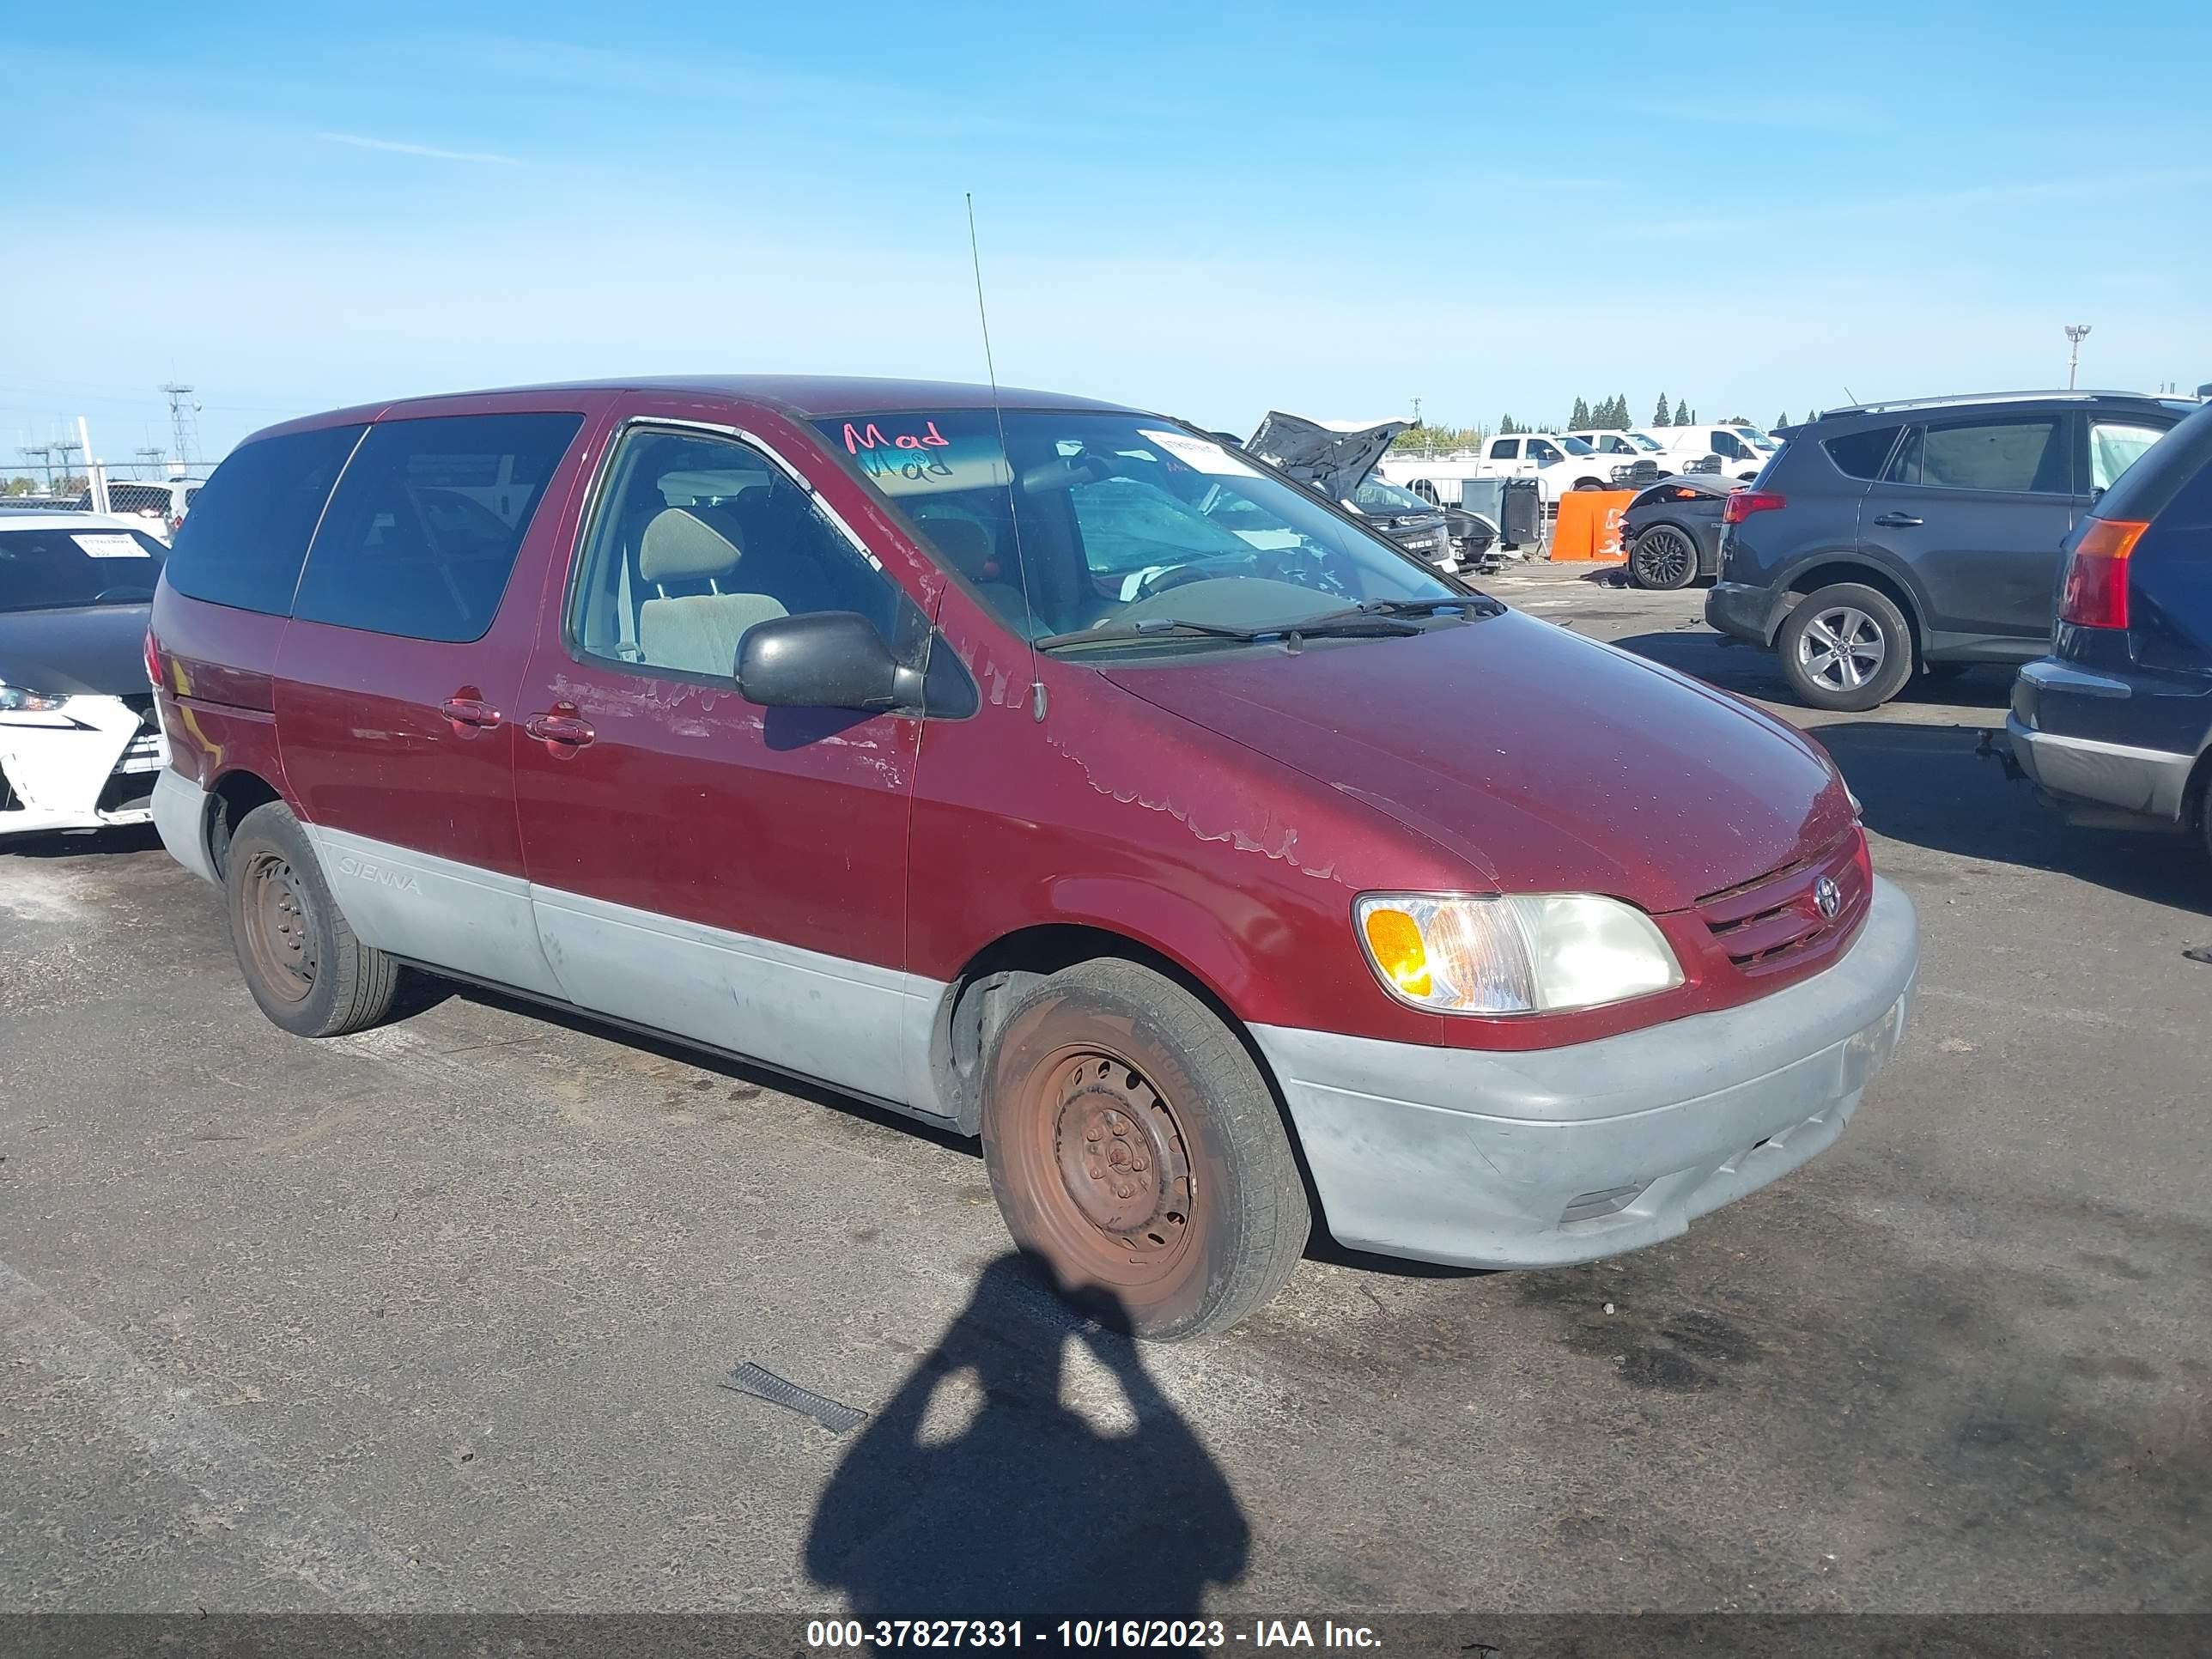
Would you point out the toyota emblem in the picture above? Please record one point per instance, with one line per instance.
(1828, 897)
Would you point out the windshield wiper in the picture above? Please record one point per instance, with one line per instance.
(1152, 628)
(1475, 604)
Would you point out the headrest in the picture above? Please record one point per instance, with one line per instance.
(966, 547)
(682, 542)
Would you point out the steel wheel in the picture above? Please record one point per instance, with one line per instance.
(1842, 648)
(1103, 1153)
(278, 933)
(1662, 557)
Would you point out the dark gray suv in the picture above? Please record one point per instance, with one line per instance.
(1887, 538)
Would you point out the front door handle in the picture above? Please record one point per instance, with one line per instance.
(1897, 521)
(560, 729)
(465, 711)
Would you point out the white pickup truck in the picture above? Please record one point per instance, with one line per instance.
(1557, 464)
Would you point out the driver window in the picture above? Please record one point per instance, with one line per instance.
(1542, 454)
(695, 540)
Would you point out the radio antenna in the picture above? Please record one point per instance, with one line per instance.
(1013, 508)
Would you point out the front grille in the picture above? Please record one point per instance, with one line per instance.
(1775, 919)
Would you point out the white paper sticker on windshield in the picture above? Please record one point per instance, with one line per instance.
(1198, 455)
(115, 545)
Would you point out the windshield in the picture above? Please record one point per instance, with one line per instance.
(1755, 438)
(1118, 519)
(56, 569)
(1380, 496)
(1641, 442)
(1576, 446)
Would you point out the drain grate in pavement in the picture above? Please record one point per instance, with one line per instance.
(764, 1384)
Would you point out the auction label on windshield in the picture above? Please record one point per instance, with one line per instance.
(118, 545)
(1198, 455)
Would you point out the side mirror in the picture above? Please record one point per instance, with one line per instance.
(823, 659)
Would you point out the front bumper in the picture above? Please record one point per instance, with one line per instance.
(87, 765)
(1748, 612)
(1494, 1159)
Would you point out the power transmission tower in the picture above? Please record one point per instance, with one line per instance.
(61, 448)
(149, 460)
(2074, 334)
(184, 422)
(43, 454)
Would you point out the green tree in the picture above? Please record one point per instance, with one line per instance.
(1621, 418)
(20, 485)
(1580, 418)
(1781, 421)
(1681, 413)
(1506, 427)
(1660, 419)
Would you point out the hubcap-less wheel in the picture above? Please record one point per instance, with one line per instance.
(1664, 557)
(1842, 648)
(277, 929)
(1114, 1194)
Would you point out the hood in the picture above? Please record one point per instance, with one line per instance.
(96, 650)
(1550, 762)
(1331, 459)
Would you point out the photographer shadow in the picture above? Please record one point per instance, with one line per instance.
(1026, 1509)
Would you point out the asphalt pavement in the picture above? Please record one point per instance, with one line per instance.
(435, 1316)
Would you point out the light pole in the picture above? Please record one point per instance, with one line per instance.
(2075, 331)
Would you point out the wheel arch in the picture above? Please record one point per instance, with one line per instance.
(229, 798)
(1828, 570)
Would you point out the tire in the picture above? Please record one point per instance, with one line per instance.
(1846, 647)
(302, 963)
(1662, 557)
(1108, 1070)
(1588, 484)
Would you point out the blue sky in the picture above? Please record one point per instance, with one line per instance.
(1209, 210)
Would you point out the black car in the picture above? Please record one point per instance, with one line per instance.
(2120, 713)
(1887, 536)
(1672, 530)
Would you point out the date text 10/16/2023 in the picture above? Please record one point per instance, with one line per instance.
(1086, 1633)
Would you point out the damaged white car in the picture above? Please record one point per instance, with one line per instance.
(80, 745)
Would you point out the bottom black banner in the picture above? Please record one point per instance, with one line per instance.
(1519, 1636)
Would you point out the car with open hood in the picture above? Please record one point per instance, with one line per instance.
(1041, 769)
(79, 747)
(1338, 460)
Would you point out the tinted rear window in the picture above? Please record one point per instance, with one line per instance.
(2013, 456)
(421, 535)
(249, 526)
(55, 570)
(1860, 454)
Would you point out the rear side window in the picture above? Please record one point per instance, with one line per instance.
(1860, 454)
(2113, 446)
(250, 523)
(421, 535)
(2014, 457)
(1504, 449)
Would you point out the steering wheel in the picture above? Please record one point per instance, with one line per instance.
(1177, 576)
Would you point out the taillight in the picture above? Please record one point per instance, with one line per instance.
(153, 661)
(2095, 593)
(1745, 502)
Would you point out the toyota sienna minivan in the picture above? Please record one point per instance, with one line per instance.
(1048, 771)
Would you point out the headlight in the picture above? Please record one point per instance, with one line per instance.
(1520, 954)
(15, 698)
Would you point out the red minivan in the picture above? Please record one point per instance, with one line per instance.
(1041, 769)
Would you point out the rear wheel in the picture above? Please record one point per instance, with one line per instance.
(1846, 646)
(1588, 484)
(306, 969)
(1133, 1146)
(1662, 556)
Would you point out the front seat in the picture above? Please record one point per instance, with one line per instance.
(966, 546)
(688, 547)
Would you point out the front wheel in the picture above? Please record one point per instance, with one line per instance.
(1133, 1146)
(1846, 647)
(1662, 557)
